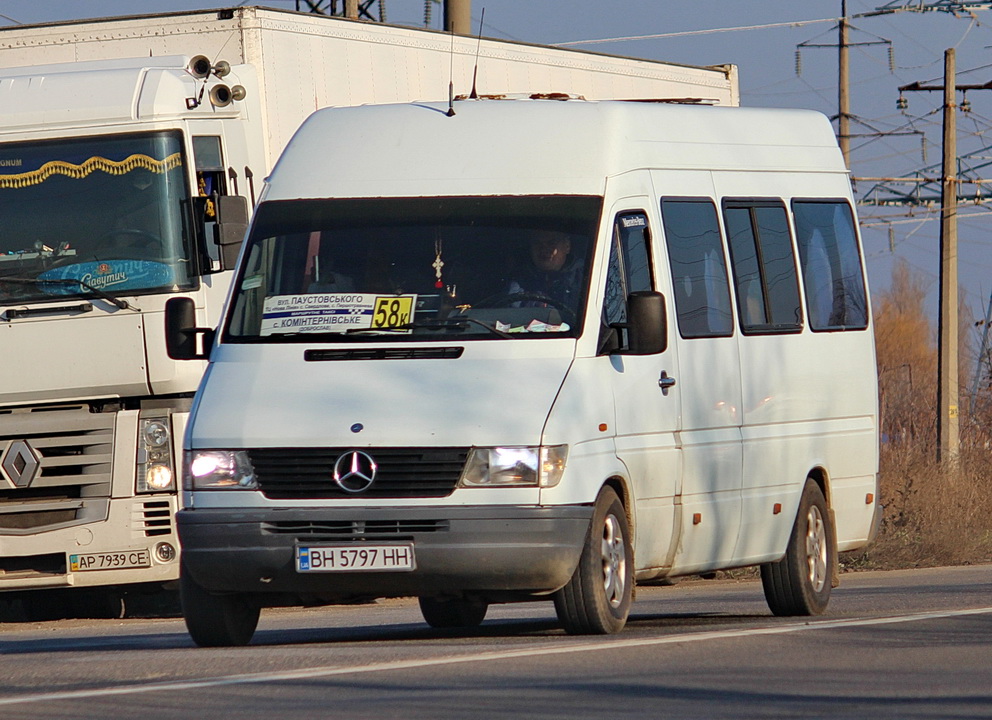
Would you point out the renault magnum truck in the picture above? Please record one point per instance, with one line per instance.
(546, 351)
(131, 152)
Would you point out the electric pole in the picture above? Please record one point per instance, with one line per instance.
(982, 357)
(843, 88)
(843, 46)
(947, 354)
(948, 443)
(458, 16)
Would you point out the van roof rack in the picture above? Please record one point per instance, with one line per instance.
(674, 101)
(568, 96)
(523, 96)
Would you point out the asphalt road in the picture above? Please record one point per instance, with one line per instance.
(908, 644)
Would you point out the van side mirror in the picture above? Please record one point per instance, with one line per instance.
(182, 337)
(647, 323)
(232, 224)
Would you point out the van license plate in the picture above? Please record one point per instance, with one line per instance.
(354, 558)
(120, 560)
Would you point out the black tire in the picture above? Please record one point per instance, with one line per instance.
(216, 620)
(800, 583)
(453, 613)
(596, 601)
(98, 604)
(45, 605)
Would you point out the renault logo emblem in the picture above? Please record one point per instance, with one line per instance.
(19, 464)
(354, 471)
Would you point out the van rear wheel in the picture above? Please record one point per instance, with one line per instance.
(799, 583)
(216, 620)
(596, 601)
(455, 613)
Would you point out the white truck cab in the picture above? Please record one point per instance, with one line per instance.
(531, 349)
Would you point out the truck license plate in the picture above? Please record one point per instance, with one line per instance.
(354, 558)
(120, 560)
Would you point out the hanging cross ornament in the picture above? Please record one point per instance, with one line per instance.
(438, 264)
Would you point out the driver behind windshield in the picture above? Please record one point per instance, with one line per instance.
(550, 270)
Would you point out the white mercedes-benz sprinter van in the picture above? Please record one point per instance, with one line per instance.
(533, 350)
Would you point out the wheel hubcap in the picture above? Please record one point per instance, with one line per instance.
(614, 561)
(816, 549)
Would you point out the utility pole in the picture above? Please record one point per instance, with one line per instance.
(843, 46)
(458, 17)
(947, 356)
(948, 443)
(982, 355)
(843, 88)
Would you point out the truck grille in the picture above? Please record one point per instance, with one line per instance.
(155, 518)
(308, 473)
(55, 467)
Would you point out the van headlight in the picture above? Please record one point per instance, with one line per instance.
(218, 470)
(514, 466)
(154, 472)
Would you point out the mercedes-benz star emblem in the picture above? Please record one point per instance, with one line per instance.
(354, 471)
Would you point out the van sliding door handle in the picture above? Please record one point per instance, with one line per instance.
(665, 382)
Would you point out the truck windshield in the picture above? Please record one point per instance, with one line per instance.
(106, 211)
(415, 268)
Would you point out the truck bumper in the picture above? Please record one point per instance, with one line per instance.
(43, 559)
(457, 549)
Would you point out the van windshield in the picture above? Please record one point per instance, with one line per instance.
(371, 269)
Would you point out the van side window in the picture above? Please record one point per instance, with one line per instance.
(764, 267)
(831, 265)
(699, 272)
(629, 269)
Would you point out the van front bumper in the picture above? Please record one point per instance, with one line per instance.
(457, 549)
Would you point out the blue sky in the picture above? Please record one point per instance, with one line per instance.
(766, 57)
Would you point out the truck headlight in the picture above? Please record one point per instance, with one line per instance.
(218, 470)
(155, 467)
(514, 466)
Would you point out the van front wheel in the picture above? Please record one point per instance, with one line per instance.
(799, 583)
(454, 613)
(216, 620)
(596, 601)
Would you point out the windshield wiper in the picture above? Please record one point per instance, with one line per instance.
(115, 301)
(459, 323)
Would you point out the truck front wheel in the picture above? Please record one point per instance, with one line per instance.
(596, 601)
(216, 620)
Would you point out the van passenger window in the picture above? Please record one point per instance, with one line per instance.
(764, 267)
(699, 273)
(630, 267)
(831, 265)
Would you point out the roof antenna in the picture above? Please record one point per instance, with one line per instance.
(475, 71)
(451, 76)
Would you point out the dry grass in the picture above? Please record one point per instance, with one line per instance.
(933, 515)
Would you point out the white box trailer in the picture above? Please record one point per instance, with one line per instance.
(304, 61)
(125, 145)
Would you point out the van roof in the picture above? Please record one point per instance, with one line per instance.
(523, 147)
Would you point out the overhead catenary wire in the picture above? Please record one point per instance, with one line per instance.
(686, 33)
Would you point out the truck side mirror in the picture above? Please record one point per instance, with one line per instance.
(181, 334)
(647, 323)
(232, 224)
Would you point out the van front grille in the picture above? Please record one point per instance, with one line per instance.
(308, 473)
(348, 530)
